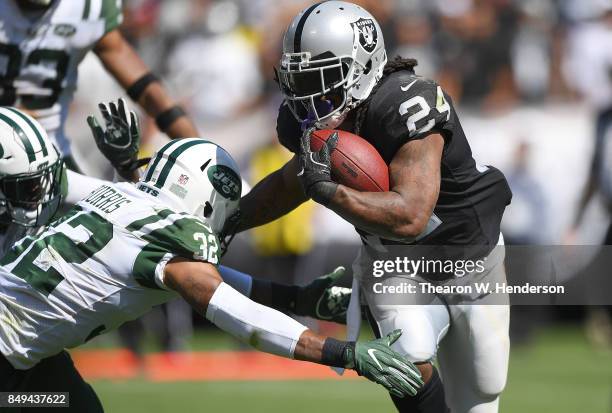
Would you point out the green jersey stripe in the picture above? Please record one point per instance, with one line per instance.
(163, 175)
(86, 9)
(145, 264)
(110, 12)
(34, 128)
(151, 219)
(158, 158)
(185, 237)
(24, 139)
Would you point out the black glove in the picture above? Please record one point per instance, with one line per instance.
(315, 173)
(120, 141)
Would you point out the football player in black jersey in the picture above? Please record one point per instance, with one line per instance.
(334, 74)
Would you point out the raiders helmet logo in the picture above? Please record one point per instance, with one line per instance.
(366, 30)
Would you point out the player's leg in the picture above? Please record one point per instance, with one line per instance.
(473, 357)
(423, 326)
(58, 374)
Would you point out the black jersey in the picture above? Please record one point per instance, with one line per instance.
(406, 107)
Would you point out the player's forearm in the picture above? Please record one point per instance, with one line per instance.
(124, 64)
(155, 100)
(387, 214)
(79, 186)
(276, 195)
(269, 330)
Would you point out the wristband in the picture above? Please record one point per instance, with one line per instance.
(338, 353)
(137, 88)
(165, 119)
(323, 192)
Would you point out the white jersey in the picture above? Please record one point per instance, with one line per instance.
(40, 55)
(95, 268)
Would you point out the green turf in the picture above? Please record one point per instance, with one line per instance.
(558, 373)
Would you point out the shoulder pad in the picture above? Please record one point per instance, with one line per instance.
(408, 107)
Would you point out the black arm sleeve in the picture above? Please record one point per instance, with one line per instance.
(288, 129)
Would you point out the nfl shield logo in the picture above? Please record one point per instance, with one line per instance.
(183, 179)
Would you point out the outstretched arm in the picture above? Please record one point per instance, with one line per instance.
(276, 195)
(122, 61)
(322, 299)
(273, 332)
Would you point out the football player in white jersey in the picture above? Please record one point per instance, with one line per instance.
(33, 178)
(34, 182)
(128, 247)
(42, 43)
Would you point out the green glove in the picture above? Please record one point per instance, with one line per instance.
(121, 140)
(376, 361)
(323, 300)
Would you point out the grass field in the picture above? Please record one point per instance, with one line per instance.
(558, 373)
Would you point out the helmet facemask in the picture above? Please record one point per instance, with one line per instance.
(316, 90)
(32, 199)
(333, 56)
(34, 5)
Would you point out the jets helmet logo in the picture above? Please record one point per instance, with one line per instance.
(366, 30)
(225, 181)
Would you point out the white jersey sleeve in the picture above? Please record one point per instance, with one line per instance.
(79, 186)
(39, 57)
(93, 269)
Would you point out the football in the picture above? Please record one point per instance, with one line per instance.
(355, 162)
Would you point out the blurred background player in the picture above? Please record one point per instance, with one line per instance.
(42, 43)
(592, 59)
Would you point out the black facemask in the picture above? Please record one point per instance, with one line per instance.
(34, 5)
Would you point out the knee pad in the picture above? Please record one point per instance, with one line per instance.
(422, 328)
(490, 386)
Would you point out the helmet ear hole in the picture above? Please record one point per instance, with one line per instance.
(368, 67)
(208, 210)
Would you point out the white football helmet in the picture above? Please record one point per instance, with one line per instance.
(30, 171)
(333, 55)
(200, 176)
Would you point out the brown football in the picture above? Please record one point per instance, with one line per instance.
(355, 162)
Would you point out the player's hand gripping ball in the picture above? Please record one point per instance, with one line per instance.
(354, 161)
(328, 157)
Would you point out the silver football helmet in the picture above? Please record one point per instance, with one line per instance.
(333, 55)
